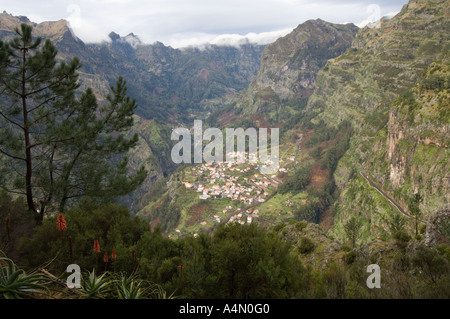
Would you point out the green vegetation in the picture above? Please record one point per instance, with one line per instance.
(333, 154)
(239, 261)
(414, 209)
(16, 284)
(306, 246)
(297, 182)
(380, 108)
(353, 230)
(95, 286)
(58, 148)
(397, 223)
(242, 262)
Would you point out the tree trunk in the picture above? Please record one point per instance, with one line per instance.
(28, 156)
(26, 132)
(417, 222)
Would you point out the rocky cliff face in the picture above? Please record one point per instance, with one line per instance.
(393, 85)
(289, 66)
(418, 138)
(54, 30)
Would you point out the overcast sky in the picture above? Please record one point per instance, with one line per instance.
(180, 23)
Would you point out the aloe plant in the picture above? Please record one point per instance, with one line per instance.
(15, 283)
(158, 292)
(121, 286)
(129, 287)
(96, 287)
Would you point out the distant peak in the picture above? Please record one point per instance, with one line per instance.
(8, 19)
(131, 39)
(114, 36)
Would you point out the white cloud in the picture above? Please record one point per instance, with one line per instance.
(87, 30)
(202, 40)
(181, 22)
(374, 16)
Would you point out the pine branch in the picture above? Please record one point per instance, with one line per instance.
(52, 84)
(11, 121)
(9, 88)
(12, 191)
(12, 156)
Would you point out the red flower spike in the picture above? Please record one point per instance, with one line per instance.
(105, 257)
(181, 266)
(113, 254)
(96, 246)
(61, 222)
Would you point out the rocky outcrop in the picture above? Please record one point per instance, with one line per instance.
(397, 160)
(392, 84)
(56, 31)
(418, 138)
(131, 39)
(289, 66)
(438, 228)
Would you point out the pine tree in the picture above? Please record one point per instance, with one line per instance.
(396, 223)
(414, 209)
(55, 146)
(353, 230)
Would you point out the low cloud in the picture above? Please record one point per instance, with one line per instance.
(235, 40)
(374, 16)
(84, 29)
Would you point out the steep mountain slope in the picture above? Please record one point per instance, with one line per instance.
(286, 78)
(189, 82)
(289, 67)
(171, 86)
(393, 85)
(389, 81)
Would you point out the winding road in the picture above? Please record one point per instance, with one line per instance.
(387, 197)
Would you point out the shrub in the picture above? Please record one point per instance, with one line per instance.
(350, 257)
(401, 239)
(110, 225)
(432, 263)
(96, 287)
(306, 246)
(300, 225)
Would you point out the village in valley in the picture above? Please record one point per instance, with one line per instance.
(242, 183)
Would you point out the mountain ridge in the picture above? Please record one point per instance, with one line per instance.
(334, 75)
(289, 66)
(401, 138)
(171, 86)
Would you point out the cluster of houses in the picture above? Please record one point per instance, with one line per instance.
(248, 216)
(220, 184)
(230, 180)
(239, 216)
